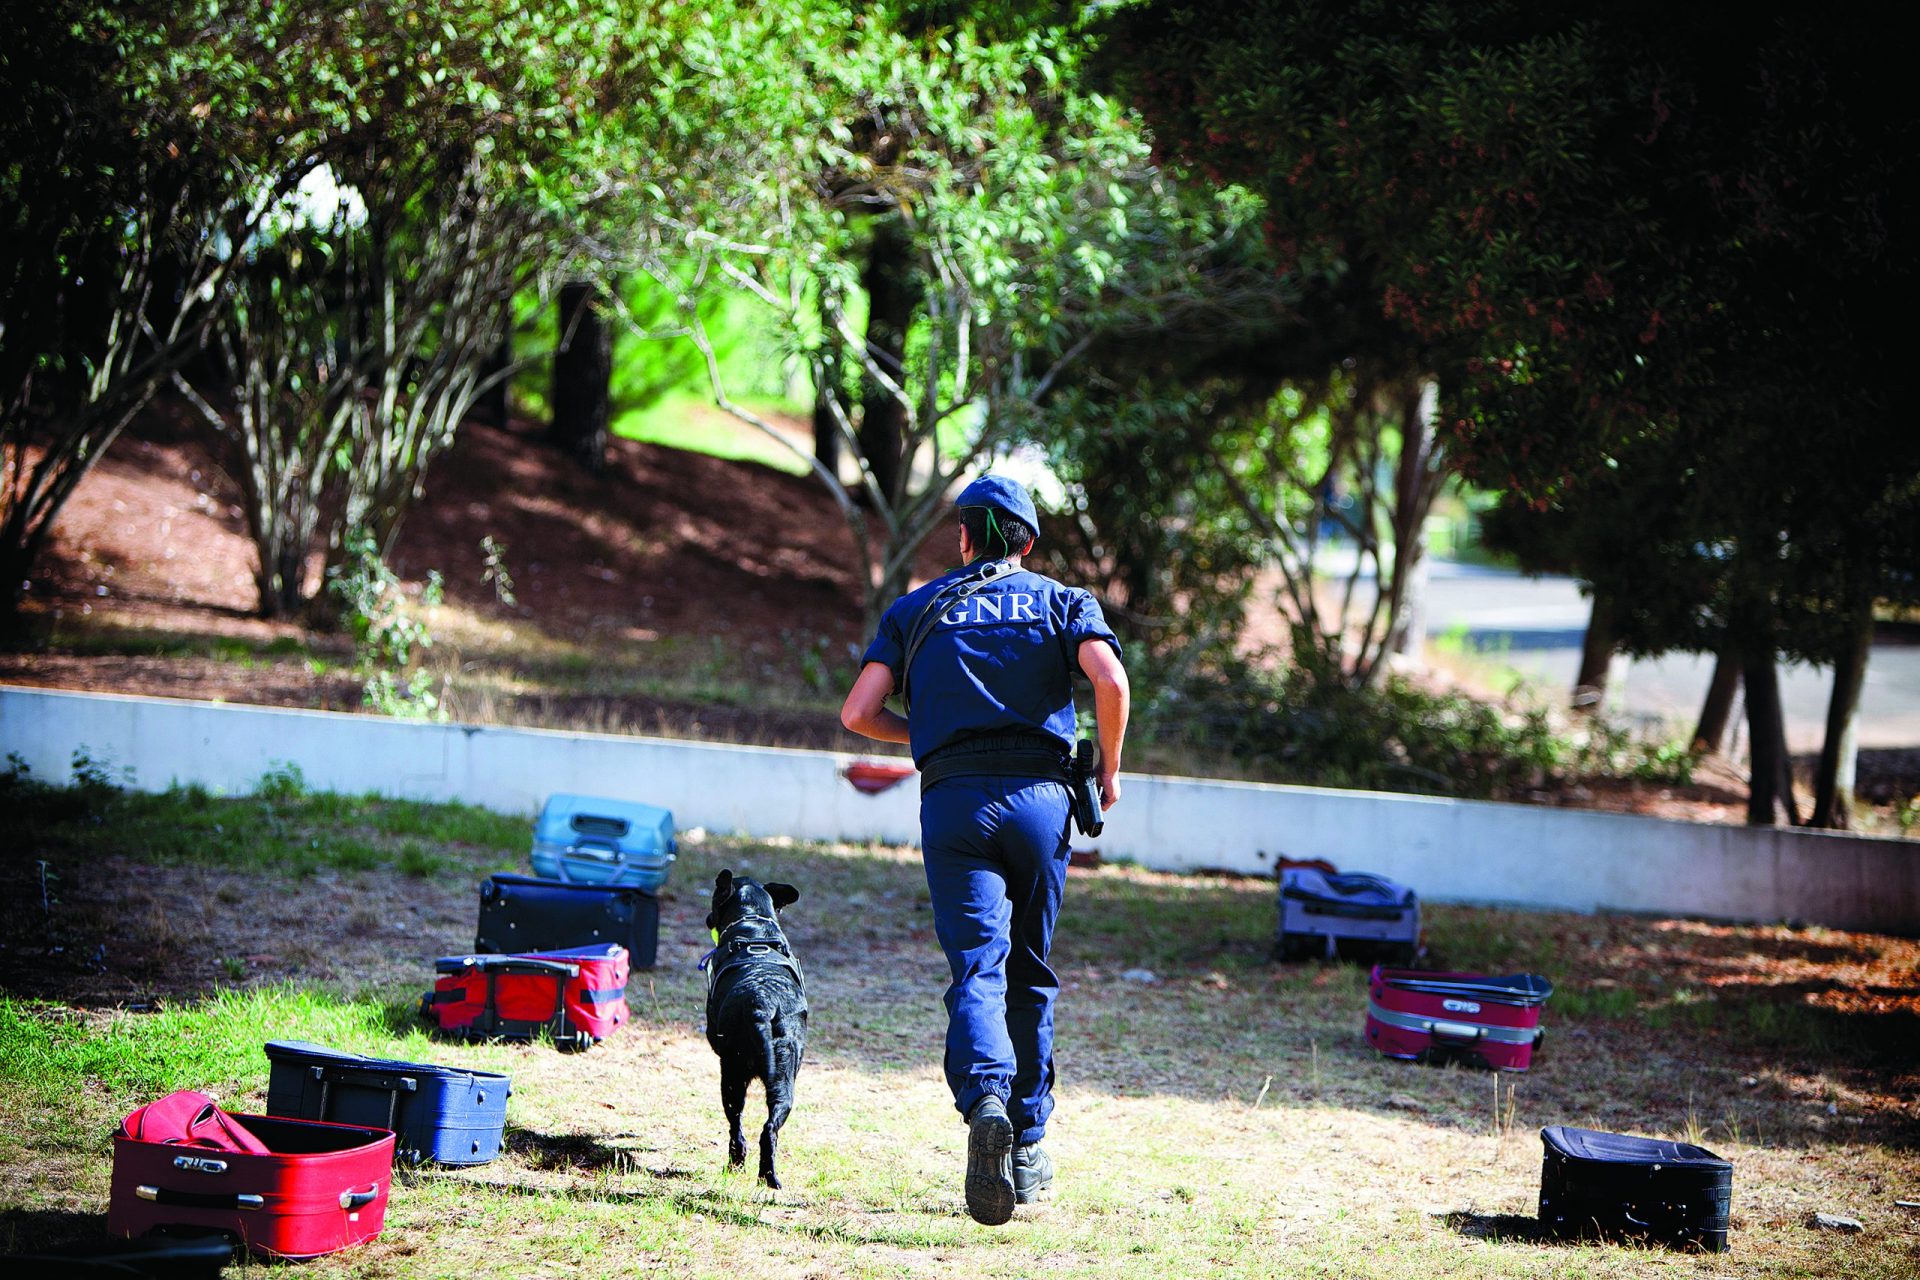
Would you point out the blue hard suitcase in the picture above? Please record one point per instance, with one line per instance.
(522, 914)
(598, 841)
(1354, 915)
(447, 1115)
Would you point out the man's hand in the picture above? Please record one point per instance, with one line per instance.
(1109, 781)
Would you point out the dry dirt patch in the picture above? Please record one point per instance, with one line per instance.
(1222, 1118)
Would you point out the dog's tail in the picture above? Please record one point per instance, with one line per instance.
(769, 1054)
(780, 1055)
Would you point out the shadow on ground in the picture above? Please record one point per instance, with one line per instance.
(1505, 1228)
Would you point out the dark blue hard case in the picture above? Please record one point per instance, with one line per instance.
(448, 1115)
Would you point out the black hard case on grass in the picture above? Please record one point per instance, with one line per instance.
(521, 914)
(449, 1115)
(1610, 1184)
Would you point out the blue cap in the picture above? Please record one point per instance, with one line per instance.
(1003, 495)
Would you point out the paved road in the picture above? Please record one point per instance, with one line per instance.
(1535, 625)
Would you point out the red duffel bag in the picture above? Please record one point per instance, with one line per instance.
(190, 1119)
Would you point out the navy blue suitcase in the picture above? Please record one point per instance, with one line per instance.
(1352, 916)
(524, 914)
(449, 1115)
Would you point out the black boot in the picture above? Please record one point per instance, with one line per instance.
(990, 1195)
(1032, 1172)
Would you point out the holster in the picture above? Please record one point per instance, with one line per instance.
(1085, 791)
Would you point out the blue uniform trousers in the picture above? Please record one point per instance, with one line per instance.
(996, 857)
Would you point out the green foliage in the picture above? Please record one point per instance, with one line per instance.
(281, 827)
(493, 558)
(388, 630)
(47, 1052)
(657, 370)
(284, 781)
(1308, 725)
(1609, 750)
(1649, 253)
(966, 165)
(1650, 282)
(94, 775)
(1150, 528)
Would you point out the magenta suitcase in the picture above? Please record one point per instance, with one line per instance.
(317, 1189)
(1464, 1017)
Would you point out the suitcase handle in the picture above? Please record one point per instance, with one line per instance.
(198, 1200)
(603, 854)
(392, 1085)
(359, 1199)
(387, 1082)
(507, 964)
(1458, 1031)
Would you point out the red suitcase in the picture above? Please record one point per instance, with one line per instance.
(577, 995)
(1440, 1017)
(316, 1188)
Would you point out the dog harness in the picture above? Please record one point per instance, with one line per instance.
(738, 952)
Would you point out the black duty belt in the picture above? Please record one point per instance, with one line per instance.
(1016, 755)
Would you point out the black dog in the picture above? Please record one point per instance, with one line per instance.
(756, 1007)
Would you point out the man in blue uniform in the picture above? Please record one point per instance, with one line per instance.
(983, 657)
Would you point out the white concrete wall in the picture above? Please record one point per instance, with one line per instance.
(1449, 850)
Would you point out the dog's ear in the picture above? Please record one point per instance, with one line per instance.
(722, 890)
(783, 895)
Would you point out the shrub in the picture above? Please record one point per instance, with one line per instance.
(1301, 725)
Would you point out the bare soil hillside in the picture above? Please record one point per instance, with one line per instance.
(665, 560)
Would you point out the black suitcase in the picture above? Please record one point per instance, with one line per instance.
(1609, 1184)
(522, 914)
(450, 1115)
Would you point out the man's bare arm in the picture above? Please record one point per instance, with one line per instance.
(1112, 697)
(865, 710)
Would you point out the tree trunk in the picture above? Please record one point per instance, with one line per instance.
(1711, 733)
(281, 577)
(493, 407)
(1770, 778)
(826, 431)
(892, 295)
(1596, 654)
(826, 422)
(1839, 751)
(582, 374)
(1414, 485)
(16, 568)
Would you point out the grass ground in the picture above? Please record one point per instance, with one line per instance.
(689, 420)
(1223, 1118)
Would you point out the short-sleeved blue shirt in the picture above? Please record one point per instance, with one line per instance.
(999, 660)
